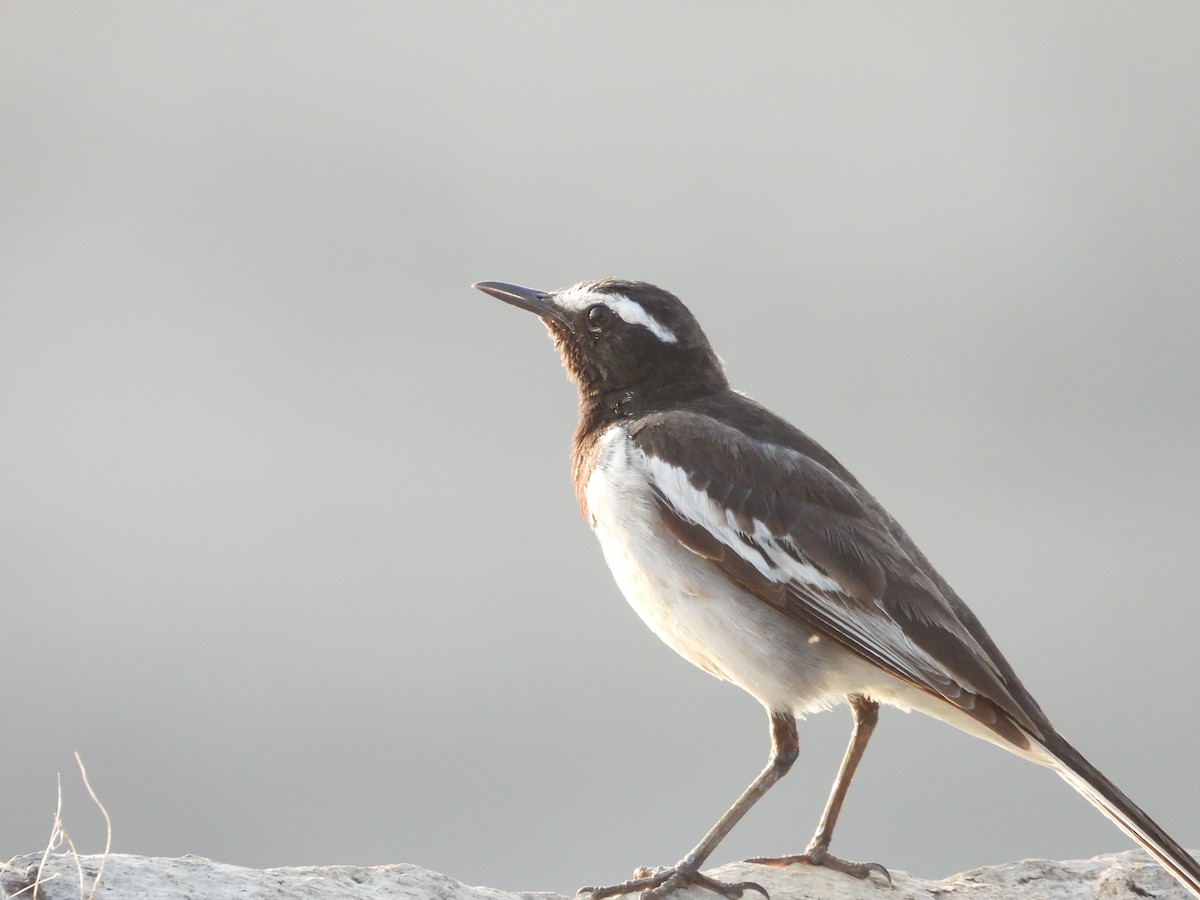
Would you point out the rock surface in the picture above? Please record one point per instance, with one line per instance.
(1116, 876)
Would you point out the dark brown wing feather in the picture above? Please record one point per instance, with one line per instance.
(827, 520)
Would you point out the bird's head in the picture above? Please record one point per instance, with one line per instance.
(624, 337)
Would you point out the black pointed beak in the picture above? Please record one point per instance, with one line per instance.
(526, 298)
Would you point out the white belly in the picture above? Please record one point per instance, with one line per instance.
(697, 610)
(714, 623)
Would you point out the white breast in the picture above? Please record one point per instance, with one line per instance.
(714, 623)
(695, 608)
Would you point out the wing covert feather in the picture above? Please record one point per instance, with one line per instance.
(801, 534)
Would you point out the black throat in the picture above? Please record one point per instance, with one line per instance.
(599, 409)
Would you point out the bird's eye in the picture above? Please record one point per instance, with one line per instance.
(598, 316)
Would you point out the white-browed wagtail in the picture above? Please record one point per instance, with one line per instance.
(756, 555)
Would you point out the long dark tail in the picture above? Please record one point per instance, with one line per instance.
(1071, 766)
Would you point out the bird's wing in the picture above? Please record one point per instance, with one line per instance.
(816, 546)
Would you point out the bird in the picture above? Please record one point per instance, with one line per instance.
(754, 554)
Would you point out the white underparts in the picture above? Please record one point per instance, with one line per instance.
(722, 628)
(699, 612)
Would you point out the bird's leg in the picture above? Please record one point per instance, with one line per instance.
(866, 715)
(657, 883)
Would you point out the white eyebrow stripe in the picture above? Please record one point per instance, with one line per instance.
(635, 314)
(577, 298)
(580, 297)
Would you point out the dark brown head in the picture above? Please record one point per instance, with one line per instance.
(624, 338)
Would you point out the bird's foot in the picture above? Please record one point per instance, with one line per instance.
(653, 884)
(820, 857)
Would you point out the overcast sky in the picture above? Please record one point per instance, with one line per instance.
(288, 547)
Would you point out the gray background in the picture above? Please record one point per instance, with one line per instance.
(289, 550)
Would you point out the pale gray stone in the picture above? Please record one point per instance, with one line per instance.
(1119, 876)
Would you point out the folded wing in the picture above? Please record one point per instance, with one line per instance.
(798, 535)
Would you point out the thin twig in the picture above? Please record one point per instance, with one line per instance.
(108, 832)
(56, 833)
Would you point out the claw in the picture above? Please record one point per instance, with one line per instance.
(728, 890)
(818, 858)
(655, 884)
